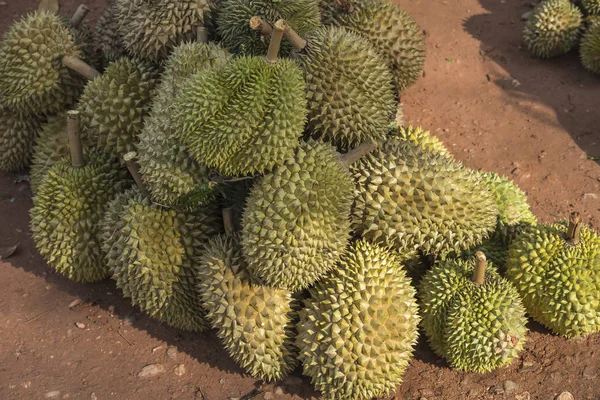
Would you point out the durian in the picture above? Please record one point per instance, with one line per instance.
(69, 206)
(17, 134)
(553, 28)
(589, 48)
(477, 324)
(82, 35)
(165, 163)
(591, 7)
(358, 328)
(113, 106)
(556, 269)
(107, 38)
(416, 199)
(419, 137)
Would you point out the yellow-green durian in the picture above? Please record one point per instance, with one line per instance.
(419, 137)
(589, 48)
(107, 39)
(17, 135)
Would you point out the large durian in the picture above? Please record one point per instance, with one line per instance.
(350, 90)
(113, 105)
(478, 323)
(391, 30)
(556, 269)
(417, 199)
(244, 118)
(296, 222)
(17, 134)
(419, 137)
(238, 37)
(69, 205)
(553, 28)
(589, 48)
(106, 36)
(168, 169)
(358, 327)
(151, 28)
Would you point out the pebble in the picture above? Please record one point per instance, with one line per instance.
(111, 309)
(278, 390)
(589, 373)
(523, 396)
(526, 365)
(525, 16)
(52, 394)
(172, 353)
(593, 196)
(80, 325)
(151, 370)
(222, 381)
(510, 387)
(93, 396)
(564, 396)
(179, 370)
(497, 389)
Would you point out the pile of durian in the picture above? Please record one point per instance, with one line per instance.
(242, 166)
(555, 27)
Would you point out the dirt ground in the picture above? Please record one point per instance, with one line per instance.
(493, 105)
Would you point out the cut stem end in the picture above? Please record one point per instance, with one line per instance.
(480, 264)
(79, 16)
(261, 26)
(77, 160)
(275, 44)
(573, 229)
(201, 34)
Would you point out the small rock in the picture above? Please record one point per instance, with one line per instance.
(80, 325)
(52, 394)
(586, 196)
(564, 396)
(74, 303)
(525, 16)
(497, 389)
(268, 396)
(589, 373)
(93, 396)
(278, 390)
(26, 385)
(172, 353)
(179, 370)
(151, 370)
(111, 309)
(523, 396)
(222, 381)
(515, 83)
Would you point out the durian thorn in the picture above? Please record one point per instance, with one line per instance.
(80, 66)
(574, 228)
(134, 170)
(296, 40)
(261, 26)
(201, 34)
(275, 44)
(77, 160)
(79, 16)
(358, 152)
(479, 272)
(228, 220)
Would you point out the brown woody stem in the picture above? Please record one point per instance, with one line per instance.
(80, 66)
(228, 220)
(77, 160)
(296, 40)
(574, 228)
(79, 16)
(201, 34)
(357, 153)
(275, 44)
(479, 273)
(261, 26)
(134, 170)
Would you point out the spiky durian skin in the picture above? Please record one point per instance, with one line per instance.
(151, 28)
(32, 77)
(236, 35)
(552, 29)
(419, 137)
(358, 328)
(591, 7)
(415, 199)
(254, 322)
(107, 38)
(244, 118)
(165, 163)
(69, 206)
(350, 90)
(476, 328)
(17, 134)
(152, 255)
(296, 222)
(113, 105)
(559, 282)
(589, 48)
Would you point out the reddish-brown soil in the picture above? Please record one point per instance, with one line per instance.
(493, 105)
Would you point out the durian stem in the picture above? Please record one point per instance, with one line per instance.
(275, 44)
(296, 40)
(134, 170)
(79, 16)
(574, 228)
(228, 220)
(479, 273)
(80, 66)
(77, 160)
(201, 34)
(261, 26)
(358, 152)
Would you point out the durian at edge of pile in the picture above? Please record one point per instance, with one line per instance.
(326, 216)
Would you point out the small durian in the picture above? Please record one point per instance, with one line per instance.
(413, 199)
(478, 323)
(107, 38)
(358, 328)
(151, 28)
(69, 205)
(238, 37)
(553, 28)
(419, 137)
(350, 90)
(556, 269)
(589, 48)
(165, 163)
(17, 134)
(245, 118)
(113, 105)
(296, 223)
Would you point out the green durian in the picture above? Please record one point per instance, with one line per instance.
(296, 222)
(476, 322)
(416, 199)
(254, 322)
(391, 30)
(238, 37)
(107, 38)
(556, 269)
(113, 105)
(350, 90)
(553, 28)
(17, 134)
(589, 48)
(33, 79)
(591, 7)
(245, 118)
(419, 137)
(358, 329)
(165, 163)
(151, 28)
